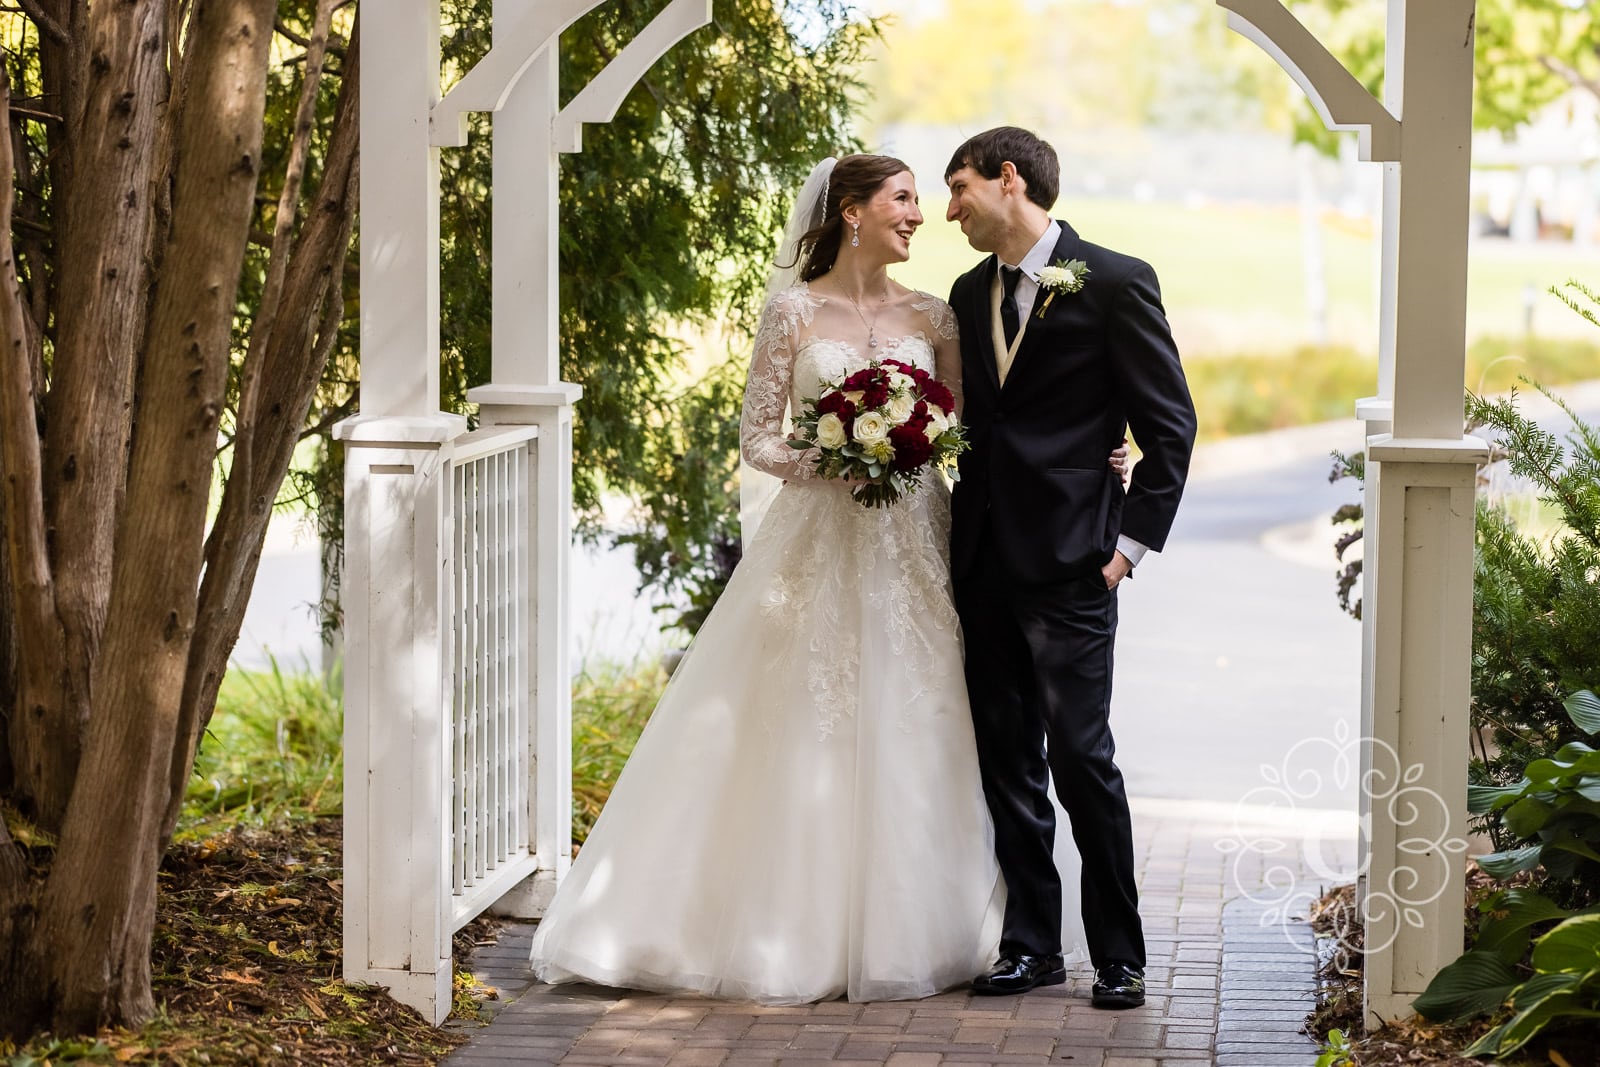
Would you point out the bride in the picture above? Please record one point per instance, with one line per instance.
(802, 817)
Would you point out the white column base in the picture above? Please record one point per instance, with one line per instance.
(1421, 503)
(396, 845)
(531, 898)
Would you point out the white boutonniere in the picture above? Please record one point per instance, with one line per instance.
(1064, 276)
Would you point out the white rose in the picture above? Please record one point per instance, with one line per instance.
(830, 431)
(871, 429)
(900, 408)
(899, 382)
(854, 396)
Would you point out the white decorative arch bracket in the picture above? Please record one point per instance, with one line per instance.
(458, 690)
(519, 38)
(488, 85)
(1341, 101)
(600, 99)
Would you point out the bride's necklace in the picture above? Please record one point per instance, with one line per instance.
(872, 326)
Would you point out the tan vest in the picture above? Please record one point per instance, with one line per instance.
(1003, 355)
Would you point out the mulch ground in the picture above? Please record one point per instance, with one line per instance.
(247, 966)
(1415, 1042)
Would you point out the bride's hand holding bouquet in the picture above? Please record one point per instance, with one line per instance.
(880, 428)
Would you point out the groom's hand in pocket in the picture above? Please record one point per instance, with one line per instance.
(1118, 569)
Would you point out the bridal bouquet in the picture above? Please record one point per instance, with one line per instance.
(882, 426)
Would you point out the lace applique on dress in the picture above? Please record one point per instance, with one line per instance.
(766, 392)
(940, 315)
(833, 569)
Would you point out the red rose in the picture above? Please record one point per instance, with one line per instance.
(936, 393)
(838, 404)
(862, 379)
(911, 447)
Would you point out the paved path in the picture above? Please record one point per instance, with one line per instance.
(1223, 988)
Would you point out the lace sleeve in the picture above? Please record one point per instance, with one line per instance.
(941, 316)
(762, 441)
(947, 347)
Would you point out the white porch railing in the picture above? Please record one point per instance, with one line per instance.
(490, 799)
(458, 735)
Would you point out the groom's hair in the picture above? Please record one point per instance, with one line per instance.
(1034, 159)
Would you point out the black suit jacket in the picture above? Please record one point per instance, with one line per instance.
(1100, 361)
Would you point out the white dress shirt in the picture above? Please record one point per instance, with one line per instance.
(1037, 259)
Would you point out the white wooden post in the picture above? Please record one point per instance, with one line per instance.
(397, 863)
(530, 131)
(396, 891)
(526, 352)
(1421, 480)
(1417, 585)
(399, 910)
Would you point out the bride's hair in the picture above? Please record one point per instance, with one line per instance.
(853, 181)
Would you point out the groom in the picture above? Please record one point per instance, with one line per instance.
(1055, 368)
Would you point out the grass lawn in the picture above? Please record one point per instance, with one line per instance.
(1233, 278)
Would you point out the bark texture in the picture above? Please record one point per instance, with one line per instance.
(120, 265)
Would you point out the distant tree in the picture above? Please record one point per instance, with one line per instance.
(1073, 63)
(1528, 53)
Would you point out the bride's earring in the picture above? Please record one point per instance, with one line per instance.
(855, 235)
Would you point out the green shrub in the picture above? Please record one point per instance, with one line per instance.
(1536, 604)
(1551, 815)
(1253, 392)
(687, 540)
(1559, 983)
(274, 750)
(1250, 393)
(610, 706)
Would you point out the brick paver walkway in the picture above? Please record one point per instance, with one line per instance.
(1223, 988)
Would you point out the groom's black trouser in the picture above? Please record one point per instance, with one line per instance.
(1039, 670)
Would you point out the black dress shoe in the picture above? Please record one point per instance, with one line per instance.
(1020, 973)
(1117, 985)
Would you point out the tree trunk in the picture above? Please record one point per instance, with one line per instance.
(38, 631)
(288, 363)
(89, 960)
(121, 245)
(104, 230)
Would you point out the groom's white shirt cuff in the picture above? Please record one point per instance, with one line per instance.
(1131, 548)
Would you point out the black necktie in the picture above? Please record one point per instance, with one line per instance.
(1009, 320)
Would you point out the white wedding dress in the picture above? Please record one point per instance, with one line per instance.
(802, 817)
